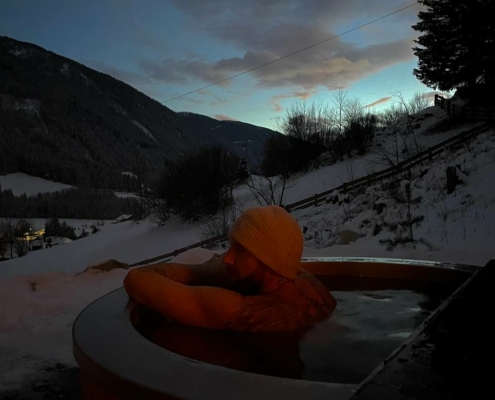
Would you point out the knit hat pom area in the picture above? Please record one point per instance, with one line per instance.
(273, 236)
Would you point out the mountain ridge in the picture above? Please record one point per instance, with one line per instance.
(66, 122)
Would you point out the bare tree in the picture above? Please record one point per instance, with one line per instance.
(141, 170)
(3, 246)
(419, 102)
(269, 190)
(309, 122)
(401, 142)
(354, 111)
(412, 107)
(157, 207)
(390, 153)
(220, 224)
(7, 232)
(21, 246)
(350, 174)
(391, 115)
(15, 232)
(340, 105)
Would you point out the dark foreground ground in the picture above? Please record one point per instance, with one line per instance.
(55, 382)
(453, 356)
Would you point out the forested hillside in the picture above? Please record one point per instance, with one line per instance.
(65, 122)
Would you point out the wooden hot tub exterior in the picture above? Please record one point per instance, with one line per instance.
(116, 362)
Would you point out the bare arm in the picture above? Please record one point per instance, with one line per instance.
(210, 273)
(202, 306)
(209, 307)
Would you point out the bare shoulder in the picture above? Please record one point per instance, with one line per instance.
(264, 313)
(317, 296)
(298, 304)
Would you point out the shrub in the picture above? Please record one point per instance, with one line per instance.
(55, 228)
(199, 183)
(357, 136)
(286, 155)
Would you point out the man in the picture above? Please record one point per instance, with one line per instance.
(258, 284)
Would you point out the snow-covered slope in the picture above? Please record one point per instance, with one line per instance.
(456, 227)
(128, 242)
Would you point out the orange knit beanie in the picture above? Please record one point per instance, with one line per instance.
(273, 236)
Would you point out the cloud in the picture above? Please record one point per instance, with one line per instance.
(380, 101)
(222, 117)
(144, 37)
(281, 26)
(333, 70)
(260, 31)
(275, 100)
(431, 95)
(180, 71)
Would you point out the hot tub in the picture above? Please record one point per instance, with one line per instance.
(127, 351)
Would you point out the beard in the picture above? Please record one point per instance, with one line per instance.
(246, 287)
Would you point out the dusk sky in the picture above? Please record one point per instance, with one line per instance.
(165, 48)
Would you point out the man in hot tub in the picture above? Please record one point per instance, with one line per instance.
(257, 285)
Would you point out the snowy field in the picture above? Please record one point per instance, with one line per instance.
(29, 185)
(50, 287)
(21, 183)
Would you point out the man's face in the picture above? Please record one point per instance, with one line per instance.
(239, 262)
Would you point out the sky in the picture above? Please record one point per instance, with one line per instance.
(166, 48)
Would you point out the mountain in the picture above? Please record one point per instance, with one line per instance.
(63, 121)
(244, 139)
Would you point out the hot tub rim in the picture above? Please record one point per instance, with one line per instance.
(293, 389)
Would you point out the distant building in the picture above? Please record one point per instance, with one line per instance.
(55, 241)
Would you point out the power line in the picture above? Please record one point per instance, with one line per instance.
(290, 54)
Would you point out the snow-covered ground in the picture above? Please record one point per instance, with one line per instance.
(457, 227)
(77, 224)
(21, 183)
(29, 185)
(42, 293)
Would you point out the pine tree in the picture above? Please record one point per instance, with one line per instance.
(456, 46)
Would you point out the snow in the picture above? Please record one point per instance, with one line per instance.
(36, 317)
(456, 228)
(21, 183)
(129, 174)
(64, 70)
(335, 175)
(38, 329)
(146, 131)
(121, 110)
(29, 185)
(50, 287)
(88, 81)
(128, 242)
(29, 106)
(123, 217)
(21, 53)
(124, 195)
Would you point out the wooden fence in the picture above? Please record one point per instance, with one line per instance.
(403, 166)
(319, 198)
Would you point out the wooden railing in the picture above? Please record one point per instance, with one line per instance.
(403, 166)
(319, 198)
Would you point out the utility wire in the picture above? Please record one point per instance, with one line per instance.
(290, 54)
